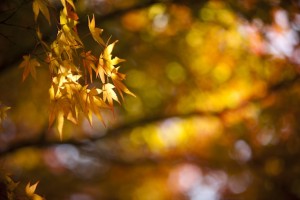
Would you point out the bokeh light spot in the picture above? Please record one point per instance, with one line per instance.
(175, 72)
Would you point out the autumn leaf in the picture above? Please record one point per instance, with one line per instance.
(96, 103)
(3, 113)
(106, 66)
(100, 72)
(109, 94)
(96, 32)
(60, 108)
(88, 61)
(29, 66)
(11, 185)
(41, 5)
(117, 80)
(30, 191)
(52, 62)
(69, 9)
(107, 57)
(69, 30)
(63, 102)
(106, 63)
(68, 96)
(60, 123)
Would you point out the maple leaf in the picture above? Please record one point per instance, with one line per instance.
(61, 107)
(109, 94)
(89, 63)
(106, 63)
(117, 80)
(3, 111)
(29, 66)
(52, 62)
(107, 57)
(41, 5)
(91, 101)
(69, 9)
(96, 32)
(63, 89)
(68, 96)
(69, 29)
(30, 191)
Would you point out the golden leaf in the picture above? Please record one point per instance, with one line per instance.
(96, 32)
(41, 5)
(109, 94)
(60, 123)
(106, 63)
(30, 189)
(95, 103)
(117, 80)
(69, 9)
(69, 30)
(88, 61)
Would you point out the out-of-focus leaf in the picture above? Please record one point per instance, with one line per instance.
(29, 66)
(69, 9)
(30, 192)
(3, 111)
(41, 5)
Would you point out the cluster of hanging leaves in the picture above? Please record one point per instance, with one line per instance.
(11, 190)
(73, 69)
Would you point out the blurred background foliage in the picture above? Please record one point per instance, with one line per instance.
(216, 114)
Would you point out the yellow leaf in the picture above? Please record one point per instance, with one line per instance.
(41, 5)
(109, 94)
(68, 35)
(106, 63)
(122, 88)
(88, 61)
(69, 9)
(117, 80)
(96, 32)
(101, 69)
(30, 189)
(72, 116)
(60, 123)
(37, 197)
(92, 95)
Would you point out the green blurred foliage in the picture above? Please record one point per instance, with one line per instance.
(215, 117)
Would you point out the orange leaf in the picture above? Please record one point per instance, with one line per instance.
(89, 63)
(29, 66)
